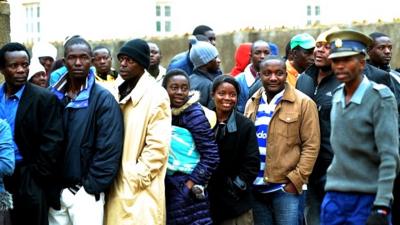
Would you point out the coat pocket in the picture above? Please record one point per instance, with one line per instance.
(29, 190)
(288, 125)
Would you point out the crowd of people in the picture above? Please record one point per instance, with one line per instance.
(309, 138)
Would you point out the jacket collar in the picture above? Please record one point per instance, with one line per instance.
(288, 94)
(383, 67)
(231, 124)
(209, 76)
(140, 89)
(82, 99)
(194, 97)
(25, 102)
(18, 94)
(311, 71)
(248, 75)
(357, 96)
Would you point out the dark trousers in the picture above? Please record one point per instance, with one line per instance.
(396, 202)
(30, 205)
(5, 218)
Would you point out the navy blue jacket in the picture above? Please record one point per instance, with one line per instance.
(94, 137)
(194, 120)
(181, 61)
(202, 81)
(182, 207)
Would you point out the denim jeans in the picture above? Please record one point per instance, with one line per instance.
(276, 208)
(302, 205)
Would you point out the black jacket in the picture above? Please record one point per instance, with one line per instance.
(322, 95)
(379, 76)
(239, 157)
(202, 82)
(395, 82)
(38, 134)
(94, 137)
(38, 131)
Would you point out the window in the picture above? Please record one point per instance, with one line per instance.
(317, 10)
(308, 10)
(158, 26)
(167, 26)
(32, 22)
(167, 11)
(163, 22)
(158, 10)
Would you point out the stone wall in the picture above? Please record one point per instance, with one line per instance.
(4, 22)
(4, 25)
(227, 43)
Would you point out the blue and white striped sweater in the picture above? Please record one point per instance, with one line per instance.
(263, 118)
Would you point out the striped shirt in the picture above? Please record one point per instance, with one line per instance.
(263, 118)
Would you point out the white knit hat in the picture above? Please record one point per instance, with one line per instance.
(202, 52)
(44, 49)
(35, 67)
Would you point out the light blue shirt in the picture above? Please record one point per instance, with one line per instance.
(357, 96)
(8, 112)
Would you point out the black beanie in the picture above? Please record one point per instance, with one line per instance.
(138, 50)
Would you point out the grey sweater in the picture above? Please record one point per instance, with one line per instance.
(365, 143)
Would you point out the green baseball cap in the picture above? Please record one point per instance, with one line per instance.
(303, 40)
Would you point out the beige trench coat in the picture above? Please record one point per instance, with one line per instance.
(137, 195)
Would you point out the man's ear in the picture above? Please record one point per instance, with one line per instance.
(362, 60)
(369, 48)
(294, 53)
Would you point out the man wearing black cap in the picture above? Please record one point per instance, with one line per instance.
(364, 139)
(93, 128)
(137, 196)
